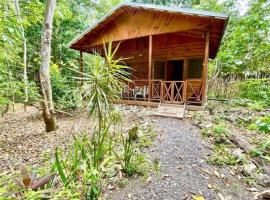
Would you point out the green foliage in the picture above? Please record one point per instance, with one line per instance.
(262, 150)
(256, 90)
(128, 154)
(218, 132)
(261, 124)
(222, 155)
(65, 91)
(104, 81)
(78, 167)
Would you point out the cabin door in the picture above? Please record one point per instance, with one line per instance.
(174, 70)
(173, 86)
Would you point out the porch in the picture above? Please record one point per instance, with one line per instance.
(166, 50)
(176, 92)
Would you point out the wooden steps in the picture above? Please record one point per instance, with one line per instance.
(170, 110)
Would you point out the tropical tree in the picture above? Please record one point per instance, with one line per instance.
(44, 72)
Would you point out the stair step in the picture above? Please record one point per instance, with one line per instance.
(170, 110)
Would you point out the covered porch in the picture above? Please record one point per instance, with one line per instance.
(178, 92)
(167, 50)
(167, 68)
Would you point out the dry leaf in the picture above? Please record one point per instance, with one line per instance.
(216, 174)
(26, 179)
(111, 187)
(198, 197)
(149, 180)
(129, 195)
(221, 197)
(165, 176)
(207, 171)
(252, 189)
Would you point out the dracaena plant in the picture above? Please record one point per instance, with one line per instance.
(32, 182)
(103, 84)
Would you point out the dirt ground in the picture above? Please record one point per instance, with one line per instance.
(182, 154)
(23, 138)
(184, 173)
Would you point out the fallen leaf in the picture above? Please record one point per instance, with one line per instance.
(111, 187)
(210, 186)
(221, 196)
(165, 176)
(198, 197)
(129, 195)
(149, 180)
(252, 189)
(216, 173)
(207, 171)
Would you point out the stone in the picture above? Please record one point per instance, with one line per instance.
(239, 154)
(263, 179)
(250, 168)
(265, 195)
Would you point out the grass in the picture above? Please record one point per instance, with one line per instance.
(222, 155)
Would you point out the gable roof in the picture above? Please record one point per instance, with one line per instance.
(80, 40)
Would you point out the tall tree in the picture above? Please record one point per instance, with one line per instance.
(44, 71)
(25, 79)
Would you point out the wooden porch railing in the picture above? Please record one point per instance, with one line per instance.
(166, 91)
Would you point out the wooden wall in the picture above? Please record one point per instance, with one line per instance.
(173, 46)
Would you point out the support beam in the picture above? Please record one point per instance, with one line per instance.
(81, 67)
(150, 66)
(205, 67)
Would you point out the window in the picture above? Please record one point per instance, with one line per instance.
(195, 68)
(159, 70)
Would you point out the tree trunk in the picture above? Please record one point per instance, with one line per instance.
(44, 71)
(25, 79)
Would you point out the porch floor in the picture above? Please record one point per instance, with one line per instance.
(155, 104)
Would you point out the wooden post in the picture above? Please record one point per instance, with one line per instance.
(150, 66)
(205, 67)
(81, 67)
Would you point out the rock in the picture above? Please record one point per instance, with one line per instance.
(263, 179)
(250, 168)
(239, 154)
(265, 195)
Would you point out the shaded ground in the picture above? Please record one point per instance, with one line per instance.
(23, 137)
(178, 147)
(184, 171)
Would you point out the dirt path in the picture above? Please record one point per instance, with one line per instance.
(184, 171)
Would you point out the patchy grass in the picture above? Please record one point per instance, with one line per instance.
(222, 155)
(76, 178)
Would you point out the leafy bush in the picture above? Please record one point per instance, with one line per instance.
(262, 125)
(78, 167)
(65, 93)
(262, 150)
(222, 155)
(256, 90)
(4, 103)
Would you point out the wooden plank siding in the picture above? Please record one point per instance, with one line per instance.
(182, 40)
(165, 47)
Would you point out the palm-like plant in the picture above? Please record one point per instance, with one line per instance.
(102, 86)
(105, 81)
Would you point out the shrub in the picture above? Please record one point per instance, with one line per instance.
(262, 125)
(65, 93)
(256, 90)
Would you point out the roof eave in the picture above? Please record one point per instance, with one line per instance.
(149, 6)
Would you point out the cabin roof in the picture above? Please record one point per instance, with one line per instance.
(80, 40)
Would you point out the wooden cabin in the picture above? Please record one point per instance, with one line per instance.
(168, 50)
